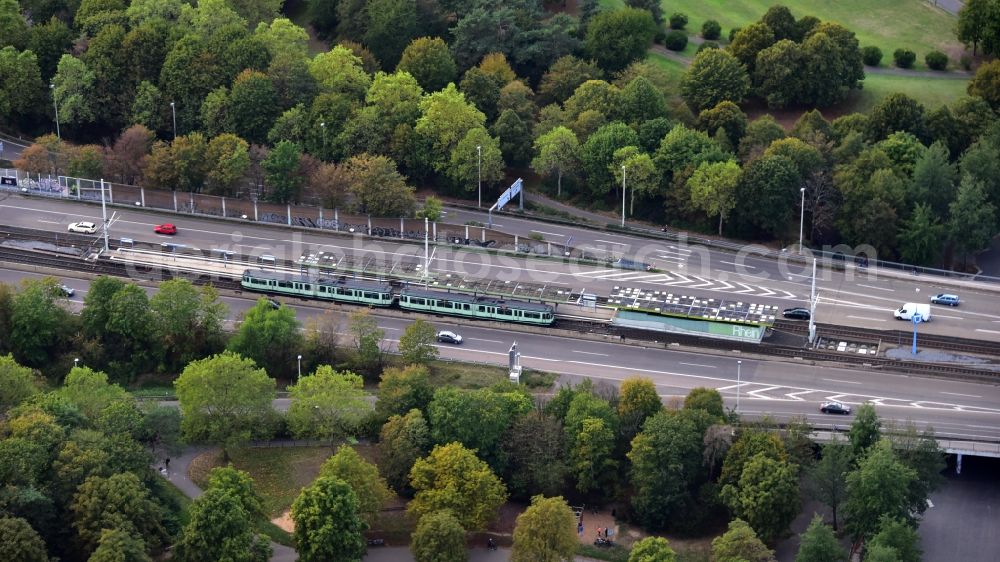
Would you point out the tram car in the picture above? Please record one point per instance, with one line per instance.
(374, 293)
(341, 290)
(474, 306)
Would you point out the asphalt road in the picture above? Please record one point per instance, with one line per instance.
(781, 389)
(845, 298)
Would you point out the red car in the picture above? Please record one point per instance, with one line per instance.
(165, 229)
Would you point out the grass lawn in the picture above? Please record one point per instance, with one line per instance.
(889, 24)
(472, 375)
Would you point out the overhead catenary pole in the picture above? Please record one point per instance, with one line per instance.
(812, 306)
(479, 166)
(104, 215)
(427, 256)
(802, 216)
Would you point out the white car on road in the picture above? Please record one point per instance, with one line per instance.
(83, 227)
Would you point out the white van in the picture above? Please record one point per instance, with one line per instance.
(907, 311)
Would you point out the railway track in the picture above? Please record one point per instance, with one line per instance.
(107, 267)
(847, 333)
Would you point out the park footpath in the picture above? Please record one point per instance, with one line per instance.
(177, 474)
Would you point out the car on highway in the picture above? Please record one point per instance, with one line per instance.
(835, 408)
(445, 336)
(797, 313)
(945, 298)
(273, 304)
(165, 228)
(67, 290)
(83, 227)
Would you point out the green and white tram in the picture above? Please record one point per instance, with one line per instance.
(473, 306)
(341, 290)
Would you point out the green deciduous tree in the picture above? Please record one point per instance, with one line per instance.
(401, 390)
(282, 172)
(535, 449)
(18, 541)
(564, 76)
(117, 545)
(402, 440)
(597, 155)
(225, 400)
(37, 321)
(666, 462)
(638, 401)
(828, 477)
(476, 419)
(986, 84)
(713, 188)
(865, 430)
(545, 532)
(920, 237)
(74, 91)
(253, 106)
(899, 536)
(17, 383)
(21, 85)
(363, 477)
(878, 487)
(615, 38)
(219, 528)
(269, 337)
(740, 544)
(972, 220)
(446, 118)
(464, 165)
(558, 152)
(187, 321)
(770, 182)
(592, 457)
(327, 405)
(452, 478)
(328, 526)
(429, 61)
(976, 24)
(417, 343)
(819, 544)
(766, 497)
(439, 537)
(652, 549)
(120, 501)
(368, 341)
(714, 76)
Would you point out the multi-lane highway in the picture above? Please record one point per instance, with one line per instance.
(957, 410)
(847, 298)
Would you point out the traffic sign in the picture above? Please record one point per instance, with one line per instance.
(917, 318)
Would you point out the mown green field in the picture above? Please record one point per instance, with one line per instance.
(887, 24)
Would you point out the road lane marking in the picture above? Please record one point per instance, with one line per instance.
(610, 242)
(960, 394)
(700, 365)
(548, 233)
(987, 331)
(49, 222)
(872, 319)
(480, 339)
(952, 317)
(591, 353)
(845, 382)
(876, 288)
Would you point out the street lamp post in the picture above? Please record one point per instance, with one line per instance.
(55, 103)
(623, 196)
(479, 165)
(300, 368)
(802, 216)
(739, 369)
(76, 362)
(173, 112)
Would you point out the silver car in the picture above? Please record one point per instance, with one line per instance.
(83, 227)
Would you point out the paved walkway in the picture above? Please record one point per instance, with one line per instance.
(178, 476)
